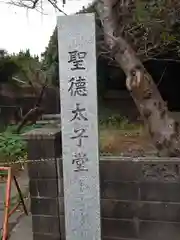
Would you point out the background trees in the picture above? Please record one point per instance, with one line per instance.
(131, 32)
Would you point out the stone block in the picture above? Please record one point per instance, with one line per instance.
(120, 190)
(44, 188)
(115, 229)
(45, 206)
(111, 208)
(156, 211)
(45, 225)
(115, 170)
(159, 231)
(39, 236)
(157, 191)
(42, 170)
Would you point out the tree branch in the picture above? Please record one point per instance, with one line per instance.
(164, 131)
(33, 4)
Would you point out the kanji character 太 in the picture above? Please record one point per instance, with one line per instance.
(78, 113)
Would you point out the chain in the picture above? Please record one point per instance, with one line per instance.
(23, 161)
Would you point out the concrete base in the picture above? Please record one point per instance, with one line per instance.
(23, 230)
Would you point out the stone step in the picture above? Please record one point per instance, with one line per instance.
(51, 117)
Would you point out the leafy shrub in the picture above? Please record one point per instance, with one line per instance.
(12, 147)
(119, 122)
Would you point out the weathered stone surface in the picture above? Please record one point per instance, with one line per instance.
(159, 231)
(80, 148)
(119, 228)
(168, 172)
(159, 211)
(43, 188)
(115, 170)
(112, 208)
(43, 184)
(45, 206)
(140, 198)
(45, 224)
(42, 170)
(39, 236)
(157, 191)
(120, 190)
(41, 133)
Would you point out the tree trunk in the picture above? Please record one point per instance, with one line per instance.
(163, 130)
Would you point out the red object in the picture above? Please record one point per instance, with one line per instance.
(8, 213)
(7, 202)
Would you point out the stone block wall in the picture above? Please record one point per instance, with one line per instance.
(43, 183)
(140, 197)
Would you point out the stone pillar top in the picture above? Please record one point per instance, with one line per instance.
(41, 133)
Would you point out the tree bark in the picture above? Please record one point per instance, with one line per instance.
(164, 131)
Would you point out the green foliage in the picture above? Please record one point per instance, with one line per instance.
(11, 146)
(158, 22)
(149, 10)
(151, 26)
(23, 66)
(50, 62)
(29, 67)
(8, 68)
(118, 122)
